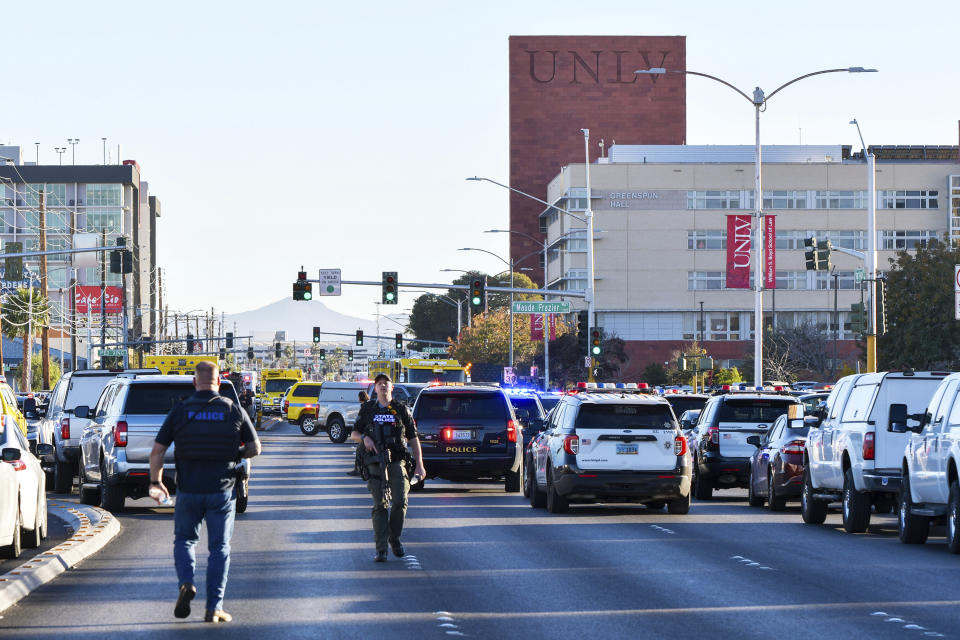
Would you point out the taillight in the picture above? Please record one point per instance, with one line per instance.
(120, 434)
(714, 435)
(511, 431)
(571, 444)
(446, 433)
(286, 405)
(680, 445)
(19, 465)
(868, 446)
(795, 447)
(65, 428)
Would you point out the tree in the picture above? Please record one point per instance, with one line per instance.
(36, 368)
(921, 330)
(18, 309)
(727, 376)
(655, 374)
(489, 340)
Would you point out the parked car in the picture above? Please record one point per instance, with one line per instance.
(31, 490)
(74, 388)
(721, 454)
(683, 402)
(529, 412)
(549, 399)
(469, 433)
(116, 441)
(930, 493)
(852, 456)
(10, 540)
(405, 392)
(776, 467)
(811, 400)
(337, 406)
(299, 406)
(607, 446)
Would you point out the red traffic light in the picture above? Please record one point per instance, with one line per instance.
(301, 275)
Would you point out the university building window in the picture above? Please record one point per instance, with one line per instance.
(919, 199)
(893, 240)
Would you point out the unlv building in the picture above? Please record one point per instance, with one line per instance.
(562, 84)
(663, 216)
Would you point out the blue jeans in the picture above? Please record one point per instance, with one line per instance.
(190, 511)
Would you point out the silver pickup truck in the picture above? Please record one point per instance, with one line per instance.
(116, 442)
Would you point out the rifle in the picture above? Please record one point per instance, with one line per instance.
(383, 457)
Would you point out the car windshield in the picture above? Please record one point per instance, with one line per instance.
(471, 405)
(306, 391)
(278, 386)
(624, 416)
(752, 410)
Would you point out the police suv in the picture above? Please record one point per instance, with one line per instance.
(610, 445)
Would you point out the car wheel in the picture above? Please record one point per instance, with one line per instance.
(243, 492)
(89, 496)
(911, 528)
(856, 506)
(812, 511)
(111, 495)
(526, 478)
(752, 498)
(337, 430)
(511, 481)
(62, 477)
(680, 506)
(309, 426)
(953, 519)
(538, 500)
(555, 502)
(774, 502)
(13, 549)
(702, 489)
(33, 537)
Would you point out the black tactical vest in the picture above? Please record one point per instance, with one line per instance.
(207, 430)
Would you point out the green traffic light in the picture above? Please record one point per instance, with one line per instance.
(596, 351)
(475, 300)
(389, 296)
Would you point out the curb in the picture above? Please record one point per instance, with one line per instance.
(92, 527)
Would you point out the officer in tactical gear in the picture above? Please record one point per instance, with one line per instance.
(385, 425)
(211, 434)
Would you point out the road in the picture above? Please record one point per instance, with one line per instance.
(483, 564)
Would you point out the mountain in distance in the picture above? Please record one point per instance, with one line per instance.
(299, 318)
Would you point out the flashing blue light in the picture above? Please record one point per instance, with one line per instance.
(620, 385)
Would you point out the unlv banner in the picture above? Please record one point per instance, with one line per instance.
(738, 251)
(536, 326)
(88, 297)
(769, 252)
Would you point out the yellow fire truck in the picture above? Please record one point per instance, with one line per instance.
(418, 370)
(275, 383)
(176, 365)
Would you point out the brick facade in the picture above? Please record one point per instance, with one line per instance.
(561, 84)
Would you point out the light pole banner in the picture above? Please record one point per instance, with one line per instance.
(738, 251)
(770, 252)
(536, 327)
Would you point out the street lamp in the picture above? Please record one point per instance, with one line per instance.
(73, 149)
(759, 101)
(871, 249)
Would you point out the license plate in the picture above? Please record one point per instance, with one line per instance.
(628, 449)
(462, 434)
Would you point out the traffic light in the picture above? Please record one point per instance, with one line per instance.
(350, 355)
(323, 354)
(116, 262)
(302, 290)
(477, 292)
(810, 253)
(398, 340)
(857, 317)
(250, 355)
(223, 354)
(276, 349)
(13, 267)
(126, 260)
(595, 348)
(824, 248)
(229, 339)
(389, 287)
(881, 307)
(316, 334)
(583, 339)
(189, 343)
(359, 337)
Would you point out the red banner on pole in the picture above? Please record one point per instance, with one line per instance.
(770, 252)
(536, 327)
(738, 251)
(88, 297)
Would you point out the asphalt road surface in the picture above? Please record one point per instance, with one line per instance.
(483, 564)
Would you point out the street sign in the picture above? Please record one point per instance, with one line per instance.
(110, 352)
(440, 351)
(587, 361)
(858, 275)
(509, 376)
(329, 282)
(539, 306)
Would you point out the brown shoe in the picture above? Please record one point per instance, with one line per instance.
(187, 592)
(217, 616)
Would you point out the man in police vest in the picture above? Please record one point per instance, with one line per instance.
(385, 422)
(208, 431)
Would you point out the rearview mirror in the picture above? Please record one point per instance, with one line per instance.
(897, 418)
(10, 454)
(754, 440)
(45, 452)
(81, 411)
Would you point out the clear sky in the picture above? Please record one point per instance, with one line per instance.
(284, 133)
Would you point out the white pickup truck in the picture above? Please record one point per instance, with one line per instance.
(853, 456)
(930, 491)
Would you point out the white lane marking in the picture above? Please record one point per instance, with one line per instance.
(880, 613)
(751, 563)
(663, 529)
(894, 620)
(455, 633)
(442, 613)
(447, 625)
(445, 619)
(913, 626)
(909, 625)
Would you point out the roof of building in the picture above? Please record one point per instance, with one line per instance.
(771, 154)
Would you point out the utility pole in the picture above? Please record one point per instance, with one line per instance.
(73, 318)
(836, 325)
(103, 290)
(45, 329)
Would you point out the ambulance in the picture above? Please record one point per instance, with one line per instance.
(418, 370)
(274, 384)
(177, 365)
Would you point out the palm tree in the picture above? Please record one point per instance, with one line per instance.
(17, 310)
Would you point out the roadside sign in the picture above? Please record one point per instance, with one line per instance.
(587, 361)
(435, 350)
(110, 352)
(858, 275)
(540, 306)
(329, 282)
